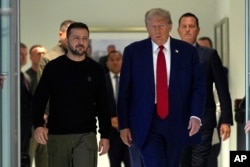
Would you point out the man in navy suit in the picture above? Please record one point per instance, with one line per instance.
(160, 139)
(118, 152)
(197, 155)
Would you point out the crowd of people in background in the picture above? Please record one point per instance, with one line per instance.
(65, 93)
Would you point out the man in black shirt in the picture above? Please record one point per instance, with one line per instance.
(76, 88)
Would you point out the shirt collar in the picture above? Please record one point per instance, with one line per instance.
(166, 45)
(113, 74)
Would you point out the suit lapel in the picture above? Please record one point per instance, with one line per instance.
(149, 65)
(144, 62)
(174, 61)
(110, 87)
(200, 52)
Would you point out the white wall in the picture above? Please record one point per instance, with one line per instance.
(235, 10)
(40, 19)
(40, 23)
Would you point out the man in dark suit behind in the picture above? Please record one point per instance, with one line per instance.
(196, 156)
(103, 59)
(26, 114)
(216, 141)
(160, 139)
(118, 151)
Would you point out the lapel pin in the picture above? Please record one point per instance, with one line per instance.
(176, 51)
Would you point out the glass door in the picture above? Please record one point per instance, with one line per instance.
(9, 93)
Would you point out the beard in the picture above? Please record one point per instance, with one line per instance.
(79, 50)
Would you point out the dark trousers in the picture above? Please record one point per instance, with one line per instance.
(213, 156)
(197, 156)
(159, 149)
(118, 152)
(25, 158)
(136, 159)
(215, 151)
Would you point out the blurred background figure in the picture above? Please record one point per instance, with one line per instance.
(118, 152)
(36, 53)
(205, 42)
(2, 78)
(247, 127)
(26, 115)
(103, 59)
(37, 151)
(216, 141)
(89, 51)
(59, 49)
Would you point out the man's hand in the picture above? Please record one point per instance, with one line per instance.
(103, 146)
(194, 126)
(2, 78)
(225, 131)
(126, 137)
(41, 135)
(247, 126)
(114, 122)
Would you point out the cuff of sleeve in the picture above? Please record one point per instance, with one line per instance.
(197, 118)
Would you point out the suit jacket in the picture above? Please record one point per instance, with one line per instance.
(111, 98)
(103, 61)
(33, 79)
(215, 73)
(26, 114)
(136, 101)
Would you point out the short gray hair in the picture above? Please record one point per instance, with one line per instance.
(158, 12)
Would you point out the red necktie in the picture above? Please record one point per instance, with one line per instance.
(161, 85)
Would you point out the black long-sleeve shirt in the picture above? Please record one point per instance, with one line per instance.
(77, 94)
